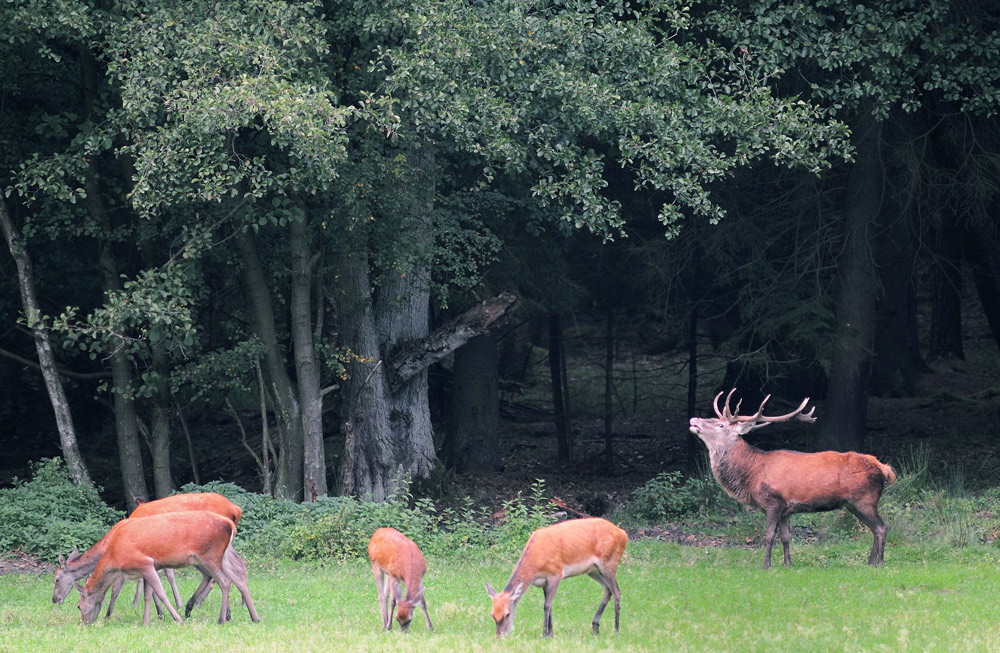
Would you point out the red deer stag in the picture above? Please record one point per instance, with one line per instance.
(592, 546)
(396, 559)
(78, 565)
(782, 483)
(139, 547)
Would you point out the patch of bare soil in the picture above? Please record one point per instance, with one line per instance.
(19, 562)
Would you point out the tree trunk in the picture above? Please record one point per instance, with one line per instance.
(609, 388)
(897, 362)
(473, 440)
(946, 310)
(847, 401)
(388, 435)
(163, 481)
(306, 366)
(126, 420)
(46, 358)
(563, 440)
(288, 481)
(982, 250)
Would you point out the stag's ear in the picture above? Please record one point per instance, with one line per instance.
(745, 427)
(489, 589)
(516, 594)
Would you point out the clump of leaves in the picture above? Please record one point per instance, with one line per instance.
(669, 495)
(48, 515)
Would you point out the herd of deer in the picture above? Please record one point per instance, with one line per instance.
(197, 530)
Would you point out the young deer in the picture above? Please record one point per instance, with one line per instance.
(78, 565)
(782, 483)
(592, 546)
(138, 547)
(396, 559)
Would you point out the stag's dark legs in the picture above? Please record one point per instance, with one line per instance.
(785, 529)
(769, 531)
(867, 513)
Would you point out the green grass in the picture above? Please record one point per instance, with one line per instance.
(673, 599)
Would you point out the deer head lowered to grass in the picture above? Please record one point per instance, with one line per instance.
(782, 483)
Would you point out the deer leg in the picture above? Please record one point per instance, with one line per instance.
(153, 580)
(772, 526)
(115, 591)
(550, 594)
(236, 567)
(378, 574)
(138, 592)
(423, 604)
(602, 579)
(148, 598)
(785, 530)
(868, 515)
(169, 573)
(397, 597)
(199, 594)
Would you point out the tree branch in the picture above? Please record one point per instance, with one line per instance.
(411, 357)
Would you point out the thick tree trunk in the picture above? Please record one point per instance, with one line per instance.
(46, 358)
(288, 481)
(473, 440)
(847, 402)
(897, 363)
(388, 436)
(306, 366)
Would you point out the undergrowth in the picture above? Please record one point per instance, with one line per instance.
(48, 515)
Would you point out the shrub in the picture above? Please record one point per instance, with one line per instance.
(669, 495)
(49, 514)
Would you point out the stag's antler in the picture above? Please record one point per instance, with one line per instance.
(758, 417)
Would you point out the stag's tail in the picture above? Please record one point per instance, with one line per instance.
(889, 473)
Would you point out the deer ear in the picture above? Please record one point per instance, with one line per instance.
(745, 427)
(80, 588)
(489, 589)
(516, 594)
(419, 596)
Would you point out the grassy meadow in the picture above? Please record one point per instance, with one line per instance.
(674, 598)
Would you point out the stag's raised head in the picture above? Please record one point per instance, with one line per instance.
(722, 430)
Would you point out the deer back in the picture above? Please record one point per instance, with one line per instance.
(211, 501)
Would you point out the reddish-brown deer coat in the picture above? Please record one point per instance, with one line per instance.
(397, 559)
(138, 547)
(782, 483)
(591, 546)
(78, 565)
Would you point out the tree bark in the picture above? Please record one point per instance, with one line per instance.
(853, 339)
(982, 251)
(564, 442)
(163, 480)
(473, 439)
(609, 381)
(46, 358)
(126, 419)
(946, 310)
(288, 481)
(306, 366)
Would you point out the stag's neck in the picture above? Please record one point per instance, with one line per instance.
(734, 465)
